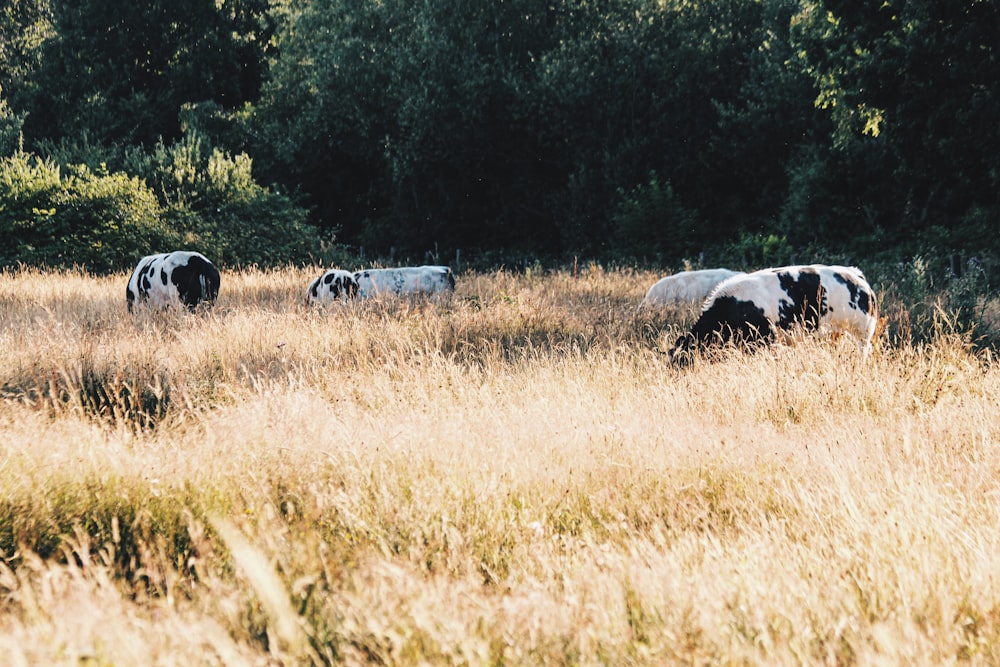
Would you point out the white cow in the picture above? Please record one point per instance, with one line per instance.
(754, 307)
(373, 283)
(173, 278)
(687, 289)
(334, 285)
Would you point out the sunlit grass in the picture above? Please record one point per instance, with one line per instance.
(514, 475)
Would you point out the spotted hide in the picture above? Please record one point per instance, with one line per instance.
(373, 283)
(334, 285)
(752, 308)
(180, 277)
(687, 289)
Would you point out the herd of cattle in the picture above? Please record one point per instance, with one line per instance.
(189, 278)
(743, 308)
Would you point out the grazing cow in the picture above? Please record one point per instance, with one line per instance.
(334, 285)
(373, 283)
(687, 289)
(754, 307)
(180, 277)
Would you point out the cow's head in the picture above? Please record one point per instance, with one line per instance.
(683, 350)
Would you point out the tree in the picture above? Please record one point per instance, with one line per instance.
(10, 128)
(910, 89)
(517, 123)
(24, 27)
(403, 122)
(120, 72)
(61, 218)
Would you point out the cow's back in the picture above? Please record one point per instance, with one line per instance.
(406, 280)
(687, 288)
(755, 306)
(184, 277)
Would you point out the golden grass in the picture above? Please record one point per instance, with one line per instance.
(511, 476)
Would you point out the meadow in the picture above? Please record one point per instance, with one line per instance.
(513, 476)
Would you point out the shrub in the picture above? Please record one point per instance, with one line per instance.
(213, 202)
(99, 220)
(10, 128)
(650, 219)
(759, 251)
(922, 298)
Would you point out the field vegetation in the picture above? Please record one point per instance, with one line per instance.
(511, 476)
(270, 132)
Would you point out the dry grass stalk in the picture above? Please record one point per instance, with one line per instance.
(514, 476)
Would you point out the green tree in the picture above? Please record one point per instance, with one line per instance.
(121, 72)
(688, 90)
(518, 123)
(212, 201)
(404, 121)
(10, 128)
(651, 223)
(61, 218)
(24, 27)
(910, 91)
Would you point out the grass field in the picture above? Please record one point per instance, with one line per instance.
(515, 476)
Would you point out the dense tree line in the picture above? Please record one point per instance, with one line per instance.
(652, 129)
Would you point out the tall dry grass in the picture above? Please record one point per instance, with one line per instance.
(512, 476)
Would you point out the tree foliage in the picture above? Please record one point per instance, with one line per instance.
(56, 218)
(655, 128)
(120, 72)
(211, 197)
(910, 89)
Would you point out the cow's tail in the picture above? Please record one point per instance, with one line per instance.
(208, 285)
(876, 326)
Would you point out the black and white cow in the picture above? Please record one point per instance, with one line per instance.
(755, 307)
(334, 285)
(687, 289)
(180, 277)
(373, 283)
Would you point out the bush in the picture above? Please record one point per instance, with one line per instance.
(923, 298)
(98, 220)
(650, 220)
(211, 199)
(10, 128)
(759, 251)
